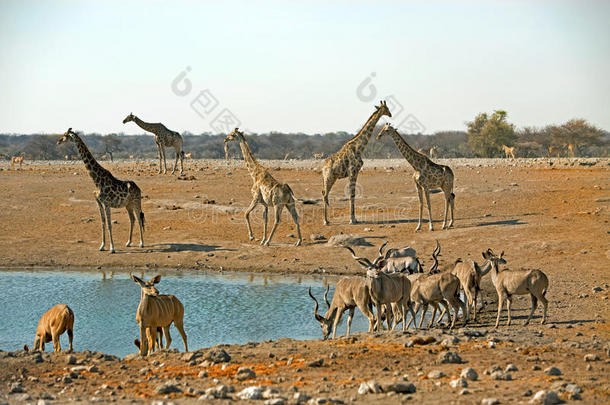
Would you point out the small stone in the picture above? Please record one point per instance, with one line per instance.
(469, 373)
(511, 367)
(15, 388)
(528, 393)
(491, 345)
(71, 359)
(490, 401)
(501, 375)
(371, 386)
(464, 392)
(300, 397)
(316, 363)
(492, 369)
(458, 383)
(244, 373)
(254, 392)
(435, 374)
(22, 397)
(217, 355)
(400, 388)
(597, 289)
(552, 371)
(449, 357)
(591, 357)
(167, 388)
(275, 401)
(545, 398)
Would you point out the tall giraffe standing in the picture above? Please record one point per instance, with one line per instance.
(428, 175)
(347, 162)
(112, 193)
(163, 137)
(266, 191)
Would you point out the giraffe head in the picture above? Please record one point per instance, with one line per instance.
(383, 109)
(235, 135)
(130, 117)
(67, 136)
(386, 130)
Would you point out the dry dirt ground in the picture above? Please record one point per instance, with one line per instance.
(551, 215)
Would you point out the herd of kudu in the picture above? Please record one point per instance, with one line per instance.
(394, 284)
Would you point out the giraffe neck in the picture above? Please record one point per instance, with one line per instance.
(146, 126)
(251, 163)
(93, 167)
(415, 159)
(362, 138)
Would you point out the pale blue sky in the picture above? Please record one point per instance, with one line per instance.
(295, 66)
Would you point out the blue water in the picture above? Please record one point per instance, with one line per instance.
(233, 308)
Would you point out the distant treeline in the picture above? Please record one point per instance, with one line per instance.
(529, 142)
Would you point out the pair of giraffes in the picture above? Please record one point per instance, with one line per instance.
(266, 190)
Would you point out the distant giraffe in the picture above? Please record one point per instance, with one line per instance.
(509, 151)
(433, 152)
(428, 175)
(112, 193)
(347, 162)
(163, 138)
(266, 190)
(555, 150)
(572, 149)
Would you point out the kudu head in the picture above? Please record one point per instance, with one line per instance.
(325, 323)
(372, 268)
(490, 256)
(148, 287)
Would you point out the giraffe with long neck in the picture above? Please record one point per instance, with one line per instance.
(347, 162)
(428, 175)
(266, 190)
(163, 138)
(111, 192)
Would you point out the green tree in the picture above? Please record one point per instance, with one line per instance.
(487, 134)
(111, 143)
(577, 132)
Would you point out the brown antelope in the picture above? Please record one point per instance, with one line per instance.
(389, 290)
(517, 282)
(52, 324)
(188, 155)
(470, 273)
(555, 150)
(351, 292)
(509, 151)
(17, 159)
(155, 311)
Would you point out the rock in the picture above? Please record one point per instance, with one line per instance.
(202, 374)
(573, 389)
(316, 363)
(591, 357)
(449, 357)
(217, 355)
(420, 340)
(501, 375)
(511, 367)
(492, 369)
(464, 392)
(400, 388)
(371, 386)
(316, 236)
(490, 401)
(78, 369)
(458, 383)
(435, 374)
(347, 240)
(167, 388)
(188, 357)
(244, 373)
(469, 373)
(66, 380)
(545, 398)
(43, 402)
(450, 340)
(275, 401)
(552, 371)
(15, 388)
(597, 289)
(71, 359)
(299, 397)
(219, 392)
(254, 392)
(491, 345)
(21, 397)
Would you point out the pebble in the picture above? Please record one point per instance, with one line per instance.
(167, 388)
(15, 388)
(511, 367)
(591, 357)
(300, 397)
(316, 363)
(202, 374)
(490, 401)
(275, 401)
(449, 357)
(552, 371)
(469, 373)
(400, 388)
(545, 398)
(217, 355)
(71, 359)
(244, 373)
(501, 375)
(254, 392)
(370, 386)
(464, 392)
(434, 374)
(458, 383)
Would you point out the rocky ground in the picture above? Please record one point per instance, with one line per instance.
(551, 215)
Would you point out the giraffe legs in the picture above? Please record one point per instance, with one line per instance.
(103, 217)
(109, 224)
(164, 160)
(295, 217)
(420, 194)
(352, 198)
(427, 193)
(447, 202)
(328, 185)
(132, 219)
(247, 215)
(265, 215)
(159, 147)
(278, 217)
(178, 155)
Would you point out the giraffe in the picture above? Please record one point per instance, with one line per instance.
(572, 150)
(163, 138)
(508, 151)
(434, 152)
(266, 191)
(347, 162)
(428, 175)
(112, 193)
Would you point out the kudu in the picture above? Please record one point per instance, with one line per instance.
(52, 324)
(517, 282)
(157, 310)
(470, 273)
(350, 292)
